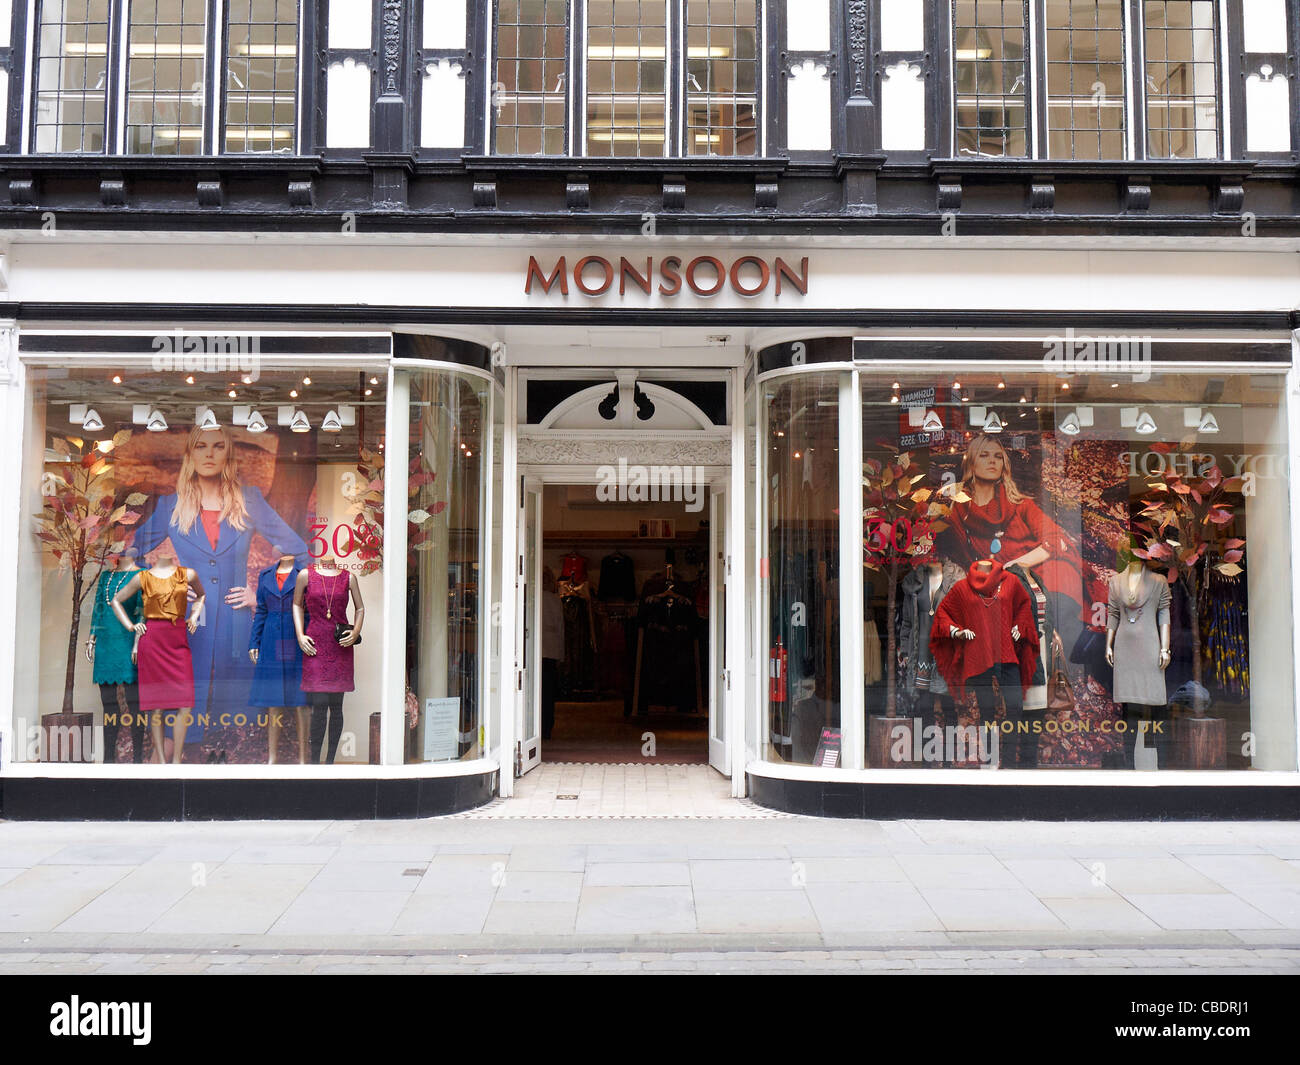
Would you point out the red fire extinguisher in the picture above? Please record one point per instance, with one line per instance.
(777, 663)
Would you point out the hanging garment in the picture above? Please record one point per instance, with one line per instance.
(326, 602)
(1224, 633)
(576, 668)
(113, 643)
(988, 604)
(277, 677)
(1135, 619)
(617, 578)
(670, 628)
(573, 567)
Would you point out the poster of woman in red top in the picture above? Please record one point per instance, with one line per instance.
(999, 521)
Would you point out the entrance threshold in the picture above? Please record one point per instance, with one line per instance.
(574, 790)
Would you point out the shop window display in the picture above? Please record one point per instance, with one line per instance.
(216, 521)
(450, 419)
(802, 551)
(1060, 570)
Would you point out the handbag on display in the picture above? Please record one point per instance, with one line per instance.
(341, 630)
(1060, 692)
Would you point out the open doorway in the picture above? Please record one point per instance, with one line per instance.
(625, 652)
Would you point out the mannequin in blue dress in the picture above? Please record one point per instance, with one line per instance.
(277, 659)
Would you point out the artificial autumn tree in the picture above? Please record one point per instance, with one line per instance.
(368, 509)
(81, 526)
(902, 517)
(1181, 520)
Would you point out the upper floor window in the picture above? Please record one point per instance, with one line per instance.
(654, 78)
(132, 76)
(1086, 79)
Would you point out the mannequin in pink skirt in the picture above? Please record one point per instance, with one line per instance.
(320, 604)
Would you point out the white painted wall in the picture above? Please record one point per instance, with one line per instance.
(902, 26)
(347, 105)
(442, 105)
(1268, 112)
(444, 24)
(349, 23)
(902, 108)
(808, 108)
(808, 25)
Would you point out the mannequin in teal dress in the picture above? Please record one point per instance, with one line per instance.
(109, 648)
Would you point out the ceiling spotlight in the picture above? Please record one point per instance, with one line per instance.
(293, 393)
(1024, 399)
(956, 386)
(1002, 384)
(156, 423)
(1070, 424)
(370, 391)
(117, 379)
(256, 423)
(208, 420)
(469, 454)
(1065, 386)
(247, 379)
(190, 379)
(1146, 425)
(374, 380)
(92, 422)
(897, 385)
(232, 393)
(330, 423)
(893, 399)
(306, 380)
(299, 423)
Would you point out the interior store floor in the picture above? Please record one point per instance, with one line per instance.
(597, 732)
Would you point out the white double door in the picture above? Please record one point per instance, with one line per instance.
(527, 569)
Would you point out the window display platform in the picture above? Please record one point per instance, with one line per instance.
(284, 796)
(1022, 795)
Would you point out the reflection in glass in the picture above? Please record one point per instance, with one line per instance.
(721, 77)
(71, 75)
(165, 70)
(802, 548)
(989, 75)
(450, 419)
(531, 92)
(627, 61)
(261, 75)
(1085, 79)
(1182, 73)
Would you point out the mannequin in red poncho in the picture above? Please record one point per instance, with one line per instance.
(984, 631)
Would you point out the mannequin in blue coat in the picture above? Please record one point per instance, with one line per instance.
(211, 519)
(277, 659)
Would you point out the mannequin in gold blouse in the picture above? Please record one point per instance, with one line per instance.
(162, 650)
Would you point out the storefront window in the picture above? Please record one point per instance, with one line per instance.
(450, 419)
(802, 553)
(235, 501)
(1087, 563)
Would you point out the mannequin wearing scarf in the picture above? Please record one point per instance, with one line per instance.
(984, 631)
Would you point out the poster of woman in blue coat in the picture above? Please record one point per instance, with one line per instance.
(211, 519)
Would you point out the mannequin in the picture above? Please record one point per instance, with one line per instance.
(162, 646)
(923, 590)
(273, 649)
(322, 592)
(109, 648)
(984, 634)
(1137, 646)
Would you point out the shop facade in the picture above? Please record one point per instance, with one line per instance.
(986, 450)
